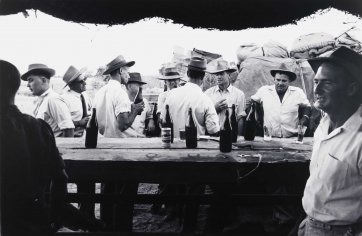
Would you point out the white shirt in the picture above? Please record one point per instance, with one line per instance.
(110, 101)
(282, 117)
(74, 103)
(139, 122)
(51, 108)
(232, 95)
(161, 100)
(333, 193)
(203, 110)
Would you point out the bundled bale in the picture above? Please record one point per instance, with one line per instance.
(209, 56)
(269, 49)
(255, 73)
(312, 45)
(351, 38)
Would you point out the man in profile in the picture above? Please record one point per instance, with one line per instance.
(49, 106)
(333, 193)
(30, 163)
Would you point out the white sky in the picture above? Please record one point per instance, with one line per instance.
(41, 38)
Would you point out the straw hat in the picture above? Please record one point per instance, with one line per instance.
(217, 66)
(73, 74)
(117, 63)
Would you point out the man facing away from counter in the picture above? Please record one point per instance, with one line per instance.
(333, 193)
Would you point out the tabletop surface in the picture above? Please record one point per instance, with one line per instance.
(150, 150)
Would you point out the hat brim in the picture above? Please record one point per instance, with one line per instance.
(75, 76)
(230, 70)
(117, 66)
(50, 71)
(136, 82)
(292, 75)
(170, 77)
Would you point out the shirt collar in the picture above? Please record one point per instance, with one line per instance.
(228, 89)
(74, 93)
(46, 92)
(350, 124)
(192, 85)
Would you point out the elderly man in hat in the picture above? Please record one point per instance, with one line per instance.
(134, 89)
(115, 111)
(224, 95)
(30, 161)
(78, 102)
(49, 106)
(191, 96)
(281, 103)
(333, 193)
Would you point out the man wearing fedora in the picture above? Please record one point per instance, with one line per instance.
(115, 111)
(49, 106)
(191, 96)
(172, 79)
(134, 84)
(78, 102)
(281, 103)
(224, 95)
(333, 193)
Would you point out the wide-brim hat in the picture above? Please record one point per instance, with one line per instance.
(135, 77)
(284, 70)
(38, 68)
(73, 74)
(170, 73)
(117, 63)
(197, 63)
(348, 59)
(217, 66)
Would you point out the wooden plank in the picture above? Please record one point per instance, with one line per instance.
(155, 143)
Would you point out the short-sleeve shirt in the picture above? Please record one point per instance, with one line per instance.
(52, 108)
(282, 117)
(110, 101)
(232, 95)
(203, 110)
(29, 159)
(74, 103)
(333, 193)
(161, 100)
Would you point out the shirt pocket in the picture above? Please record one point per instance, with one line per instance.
(334, 172)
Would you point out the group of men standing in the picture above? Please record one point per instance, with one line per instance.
(332, 198)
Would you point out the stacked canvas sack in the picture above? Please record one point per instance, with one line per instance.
(268, 49)
(351, 38)
(312, 45)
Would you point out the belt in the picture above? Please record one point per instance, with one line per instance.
(329, 226)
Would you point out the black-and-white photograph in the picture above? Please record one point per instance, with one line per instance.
(188, 118)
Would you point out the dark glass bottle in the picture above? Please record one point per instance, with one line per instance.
(139, 98)
(190, 131)
(234, 125)
(250, 124)
(91, 135)
(168, 122)
(225, 134)
(155, 120)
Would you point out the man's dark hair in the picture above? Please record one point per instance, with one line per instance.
(9, 81)
(195, 74)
